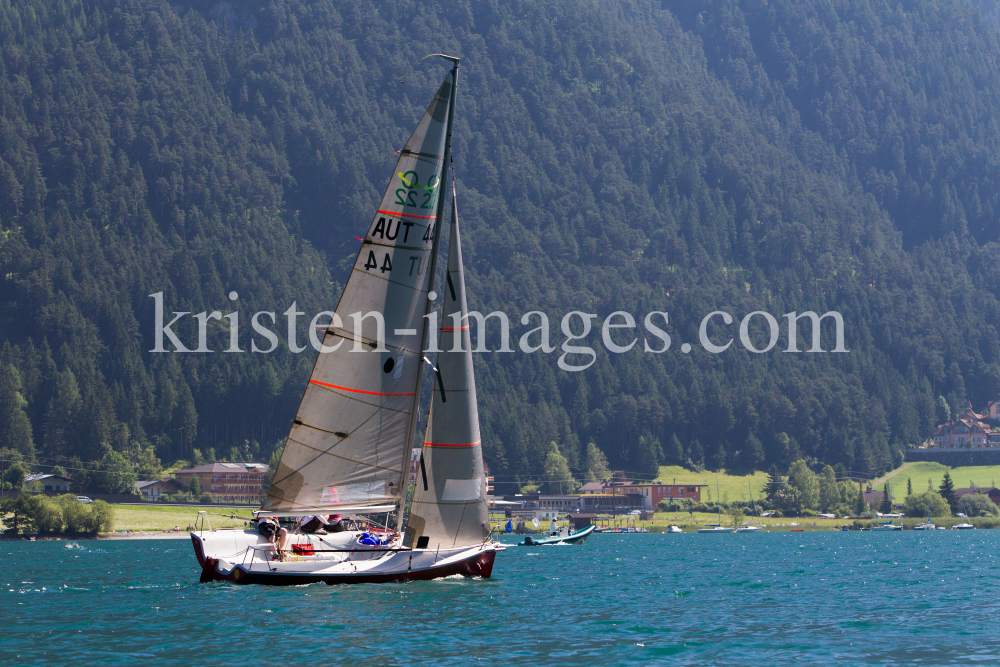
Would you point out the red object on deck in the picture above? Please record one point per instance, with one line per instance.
(304, 549)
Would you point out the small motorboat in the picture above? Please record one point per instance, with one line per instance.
(886, 525)
(564, 537)
(674, 529)
(749, 529)
(715, 529)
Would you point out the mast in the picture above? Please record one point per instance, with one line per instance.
(411, 432)
(346, 449)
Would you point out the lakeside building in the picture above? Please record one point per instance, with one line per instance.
(228, 482)
(970, 429)
(873, 499)
(49, 483)
(152, 489)
(606, 497)
(992, 493)
(655, 492)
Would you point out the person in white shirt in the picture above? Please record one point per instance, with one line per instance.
(554, 528)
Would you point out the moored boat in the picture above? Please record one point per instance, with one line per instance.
(884, 526)
(715, 529)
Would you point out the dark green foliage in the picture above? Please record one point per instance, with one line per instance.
(38, 513)
(775, 483)
(75, 514)
(886, 506)
(15, 428)
(102, 517)
(947, 491)
(14, 474)
(683, 157)
(978, 504)
(918, 505)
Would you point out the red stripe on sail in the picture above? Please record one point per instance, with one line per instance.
(408, 215)
(454, 329)
(448, 444)
(358, 391)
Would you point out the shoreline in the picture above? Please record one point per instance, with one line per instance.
(143, 535)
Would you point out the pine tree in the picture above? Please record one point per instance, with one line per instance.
(775, 482)
(947, 491)
(886, 507)
(752, 454)
(675, 451)
(15, 428)
(860, 507)
(719, 456)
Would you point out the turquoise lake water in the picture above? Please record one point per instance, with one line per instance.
(780, 598)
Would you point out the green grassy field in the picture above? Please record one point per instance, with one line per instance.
(731, 487)
(155, 518)
(920, 471)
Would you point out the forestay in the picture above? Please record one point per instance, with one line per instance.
(449, 503)
(350, 436)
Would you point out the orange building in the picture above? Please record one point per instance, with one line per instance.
(653, 493)
(228, 482)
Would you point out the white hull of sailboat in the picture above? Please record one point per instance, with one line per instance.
(241, 556)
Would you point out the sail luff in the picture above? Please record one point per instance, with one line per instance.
(348, 440)
(425, 329)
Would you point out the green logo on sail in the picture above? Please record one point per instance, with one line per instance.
(414, 195)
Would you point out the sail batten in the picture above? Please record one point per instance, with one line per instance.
(369, 394)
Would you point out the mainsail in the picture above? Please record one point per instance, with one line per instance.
(350, 437)
(449, 502)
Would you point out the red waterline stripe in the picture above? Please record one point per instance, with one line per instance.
(407, 215)
(453, 328)
(444, 444)
(358, 391)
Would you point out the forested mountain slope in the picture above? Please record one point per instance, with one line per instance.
(682, 157)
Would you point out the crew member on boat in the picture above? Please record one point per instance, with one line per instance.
(334, 524)
(309, 525)
(269, 527)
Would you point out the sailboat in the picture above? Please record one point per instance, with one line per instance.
(349, 448)
(716, 528)
(927, 525)
(751, 526)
